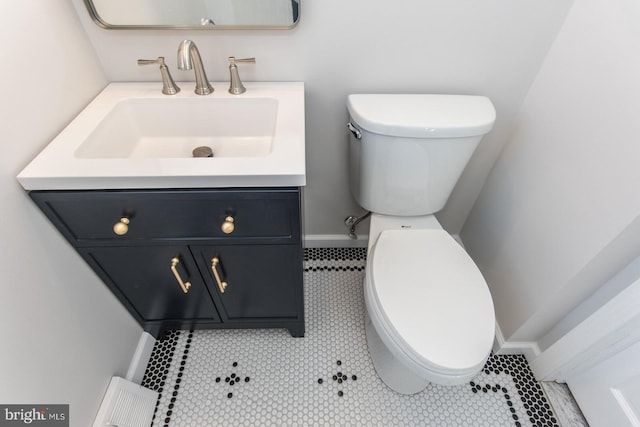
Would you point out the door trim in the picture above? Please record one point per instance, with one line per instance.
(610, 329)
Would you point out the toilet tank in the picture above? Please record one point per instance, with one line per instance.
(408, 151)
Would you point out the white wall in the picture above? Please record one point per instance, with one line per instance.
(560, 212)
(63, 333)
(492, 48)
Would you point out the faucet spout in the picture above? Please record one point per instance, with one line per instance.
(188, 58)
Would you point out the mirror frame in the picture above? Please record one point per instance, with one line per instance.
(95, 16)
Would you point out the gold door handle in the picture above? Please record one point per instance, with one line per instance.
(184, 285)
(228, 225)
(214, 264)
(121, 227)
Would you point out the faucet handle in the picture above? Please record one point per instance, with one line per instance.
(233, 60)
(169, 87)
(236, 87)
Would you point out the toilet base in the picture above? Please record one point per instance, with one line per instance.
(393, 373)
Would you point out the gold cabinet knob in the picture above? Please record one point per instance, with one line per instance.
(228, 225)
(121, 227)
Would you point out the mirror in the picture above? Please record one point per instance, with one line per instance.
(194, 14)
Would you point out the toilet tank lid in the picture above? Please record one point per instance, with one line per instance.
(421, 115)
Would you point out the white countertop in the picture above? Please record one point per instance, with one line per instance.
(58, 167)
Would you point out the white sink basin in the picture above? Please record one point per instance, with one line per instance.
(133, 136)
(156, 128)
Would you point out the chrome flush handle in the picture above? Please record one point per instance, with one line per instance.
(355, 131)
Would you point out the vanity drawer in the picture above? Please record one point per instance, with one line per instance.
(89, 216)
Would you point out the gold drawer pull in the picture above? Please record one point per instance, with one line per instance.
(184, 285)
(228, 226)
(121, 227)
(214, 264)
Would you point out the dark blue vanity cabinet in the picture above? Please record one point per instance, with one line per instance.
(197, 258)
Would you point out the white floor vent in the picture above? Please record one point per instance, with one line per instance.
(126, 404)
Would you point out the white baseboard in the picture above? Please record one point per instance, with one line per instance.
(529, 349)
(334, 241)
(343, 241)
(140, 358)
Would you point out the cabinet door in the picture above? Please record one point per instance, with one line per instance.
(144, 280)
(264, 282)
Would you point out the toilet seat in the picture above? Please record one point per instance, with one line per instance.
(430, 304)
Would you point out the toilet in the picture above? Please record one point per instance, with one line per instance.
(429, 315)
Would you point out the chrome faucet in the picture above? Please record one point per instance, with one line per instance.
(189, 57)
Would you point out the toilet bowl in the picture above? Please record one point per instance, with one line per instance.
(429, 312)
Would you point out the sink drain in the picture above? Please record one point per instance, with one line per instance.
(202, 151)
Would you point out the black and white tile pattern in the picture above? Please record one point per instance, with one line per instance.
(267, 378)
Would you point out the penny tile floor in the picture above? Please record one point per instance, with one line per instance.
(264, 377)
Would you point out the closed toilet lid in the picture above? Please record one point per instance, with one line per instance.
(433, 299)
